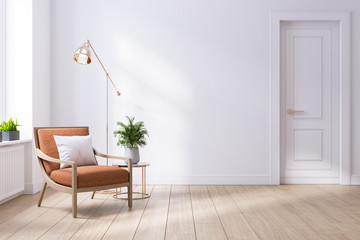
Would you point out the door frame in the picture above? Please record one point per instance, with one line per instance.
(344, 88)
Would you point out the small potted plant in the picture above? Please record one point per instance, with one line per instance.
(9, 130)
(131, 136)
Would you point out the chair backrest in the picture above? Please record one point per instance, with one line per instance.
(44, 140)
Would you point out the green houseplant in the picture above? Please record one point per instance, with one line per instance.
(131, 136)
(9, 130)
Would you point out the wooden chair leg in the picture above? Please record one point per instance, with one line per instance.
(93, 195)
(74, 204)
(130, 196)
(42, 194)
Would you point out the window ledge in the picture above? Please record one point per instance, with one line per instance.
(7, 143)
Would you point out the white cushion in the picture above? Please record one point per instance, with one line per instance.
(75, 148)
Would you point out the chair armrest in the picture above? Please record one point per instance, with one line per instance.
(73, 164)
(109, 156)
(129, 161)
(43, 156)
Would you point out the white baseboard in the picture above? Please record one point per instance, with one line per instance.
(306, 180)
(206, 180)
(32, 188)
(355, 180)
(11, 197)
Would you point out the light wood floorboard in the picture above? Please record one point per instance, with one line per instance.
(19, 204)
(234, 222)
(207, 223)
(131, 217)
(22, 219)
(153, 222)
(41, 225)
(307, 205)
(96, 226)
(255, 204)
(68, 226)
(286, 212)
(180, 223)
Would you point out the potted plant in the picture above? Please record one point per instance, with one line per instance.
(9, 130)
(131, 136)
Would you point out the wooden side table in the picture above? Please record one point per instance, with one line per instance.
(143, 193)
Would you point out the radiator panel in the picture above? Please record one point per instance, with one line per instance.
(11, 170)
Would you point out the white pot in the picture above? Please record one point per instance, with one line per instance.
(133, 153)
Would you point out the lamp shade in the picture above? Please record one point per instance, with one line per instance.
(83, 54)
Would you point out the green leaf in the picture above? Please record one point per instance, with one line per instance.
(131, 135)
(9, 125)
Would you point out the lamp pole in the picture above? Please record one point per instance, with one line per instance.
(84, 51)
(107, 100)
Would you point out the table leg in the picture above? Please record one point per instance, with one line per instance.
(143, 193)
(142, 180)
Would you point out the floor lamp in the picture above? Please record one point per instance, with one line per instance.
(83, 56)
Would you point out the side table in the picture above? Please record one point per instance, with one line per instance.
(143, 193)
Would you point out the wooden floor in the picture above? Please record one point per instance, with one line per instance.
(321, 212)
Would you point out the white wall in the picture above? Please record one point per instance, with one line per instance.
(2, 59)
(28, 76)
(196, 72)
(19, 75)
(41, 56)
(19, 63)
(41, 77)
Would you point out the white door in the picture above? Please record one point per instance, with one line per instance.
(309, 102)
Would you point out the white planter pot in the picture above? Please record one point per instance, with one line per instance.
(133, 153)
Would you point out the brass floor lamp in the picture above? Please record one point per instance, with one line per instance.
(83, 56)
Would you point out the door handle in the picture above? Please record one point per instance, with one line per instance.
(290, 111)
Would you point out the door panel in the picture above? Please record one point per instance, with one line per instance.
(308, 145)
(307, 74)
(309, 102)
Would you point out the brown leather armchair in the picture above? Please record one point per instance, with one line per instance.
(76, 179)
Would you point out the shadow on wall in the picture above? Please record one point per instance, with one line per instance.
(158, 93)
(200, 87)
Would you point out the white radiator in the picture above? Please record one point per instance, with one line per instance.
(11, 170)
